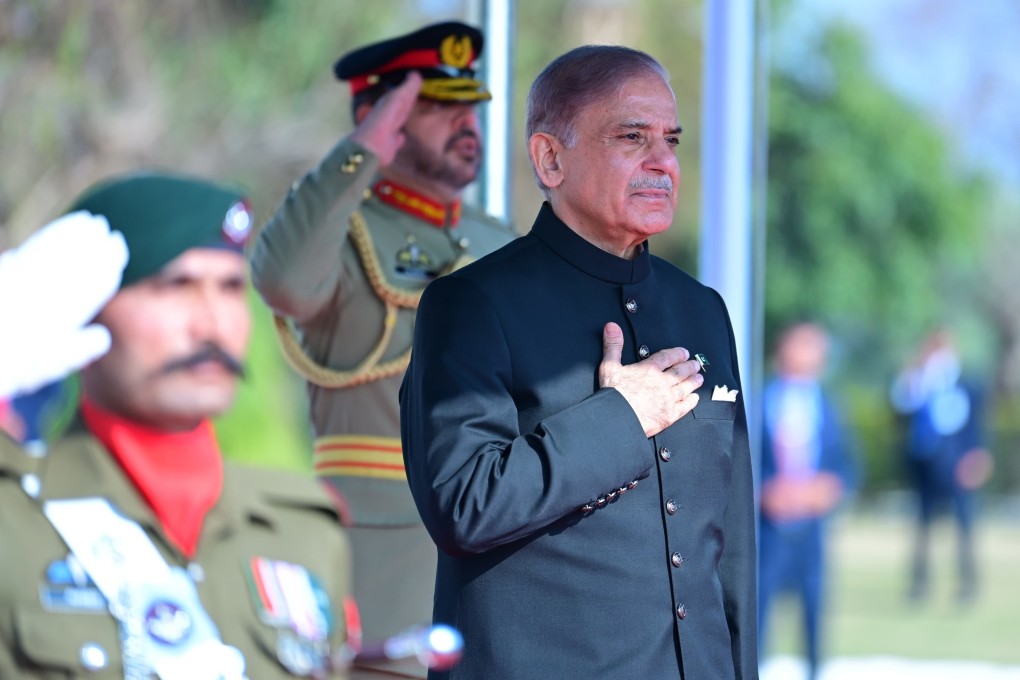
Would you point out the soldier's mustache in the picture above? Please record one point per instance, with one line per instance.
(210, 352)
(461, 134)
(662, 182)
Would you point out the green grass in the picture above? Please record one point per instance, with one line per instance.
(869, 614)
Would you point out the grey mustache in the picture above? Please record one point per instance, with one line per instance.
(661, 182)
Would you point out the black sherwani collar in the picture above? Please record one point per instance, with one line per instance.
(586, 256)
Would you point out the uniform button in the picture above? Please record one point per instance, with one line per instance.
(92, 656)
(665, 454)
(631, 305)
(676, 559)
(196, 572)
(643, 351)
(671, 506)
(681, 612)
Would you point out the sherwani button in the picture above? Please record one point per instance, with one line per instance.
(676, 559)
(665, 454)
(671, 506)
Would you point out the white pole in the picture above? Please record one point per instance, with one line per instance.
(727, 253)
(497, 23)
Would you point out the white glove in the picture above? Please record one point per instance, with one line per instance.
(50, 288)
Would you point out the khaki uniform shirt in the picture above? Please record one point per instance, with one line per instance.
(306, 268)
(56, 626)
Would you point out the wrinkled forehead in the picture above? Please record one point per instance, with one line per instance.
(645, 100)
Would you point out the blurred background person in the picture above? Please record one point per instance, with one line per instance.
(944, 452)
(807, 469)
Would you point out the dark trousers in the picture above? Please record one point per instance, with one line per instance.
(791, 559)
(936, 487)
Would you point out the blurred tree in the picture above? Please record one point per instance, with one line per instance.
(870, 227)
(874, 227)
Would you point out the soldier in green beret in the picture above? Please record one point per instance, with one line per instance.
(343, 263)
(130, 548)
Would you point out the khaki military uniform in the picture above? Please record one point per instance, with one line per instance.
(55, 624)
(307, 266)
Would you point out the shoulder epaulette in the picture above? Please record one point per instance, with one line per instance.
(284, 488)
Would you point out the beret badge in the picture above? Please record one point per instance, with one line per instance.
(238, 222)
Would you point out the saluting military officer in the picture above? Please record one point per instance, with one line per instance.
(130, 548)
(345, 259)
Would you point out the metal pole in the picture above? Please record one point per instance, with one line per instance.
(495, 187)
(727, 261)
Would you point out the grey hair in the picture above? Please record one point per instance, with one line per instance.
(576, 80)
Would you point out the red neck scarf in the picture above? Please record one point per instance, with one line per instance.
(180, 474)
(419, 205)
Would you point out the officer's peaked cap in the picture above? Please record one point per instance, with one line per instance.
(443, 53)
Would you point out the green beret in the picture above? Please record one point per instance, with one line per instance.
(162, 215)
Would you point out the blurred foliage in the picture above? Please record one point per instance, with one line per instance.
(1004, 442)
(268, 424)
(870, 229)
(875, 232)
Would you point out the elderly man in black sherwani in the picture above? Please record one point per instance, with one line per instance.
(572, 419)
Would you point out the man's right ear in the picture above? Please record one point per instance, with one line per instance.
(544, 150)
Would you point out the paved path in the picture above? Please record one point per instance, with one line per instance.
(889, 668)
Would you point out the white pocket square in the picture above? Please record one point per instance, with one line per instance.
(723, 394)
